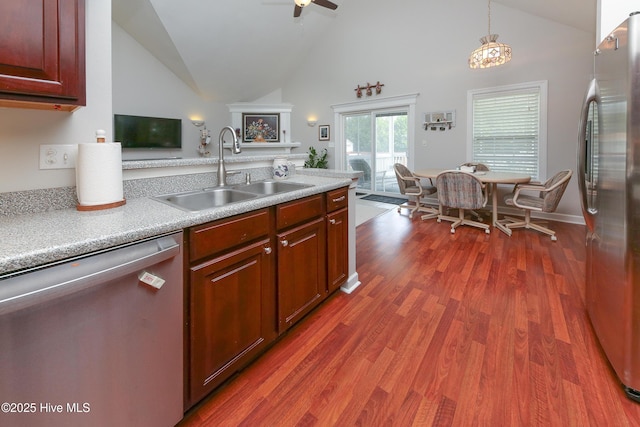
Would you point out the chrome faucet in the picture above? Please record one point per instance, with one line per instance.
(235, 149)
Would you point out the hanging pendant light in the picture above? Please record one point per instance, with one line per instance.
(491, 53)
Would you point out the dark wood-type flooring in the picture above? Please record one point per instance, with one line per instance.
(462, 329)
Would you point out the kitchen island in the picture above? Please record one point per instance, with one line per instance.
(263, 248)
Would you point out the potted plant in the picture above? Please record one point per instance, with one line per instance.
(316, 160)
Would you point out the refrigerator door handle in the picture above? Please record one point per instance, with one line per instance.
(592, 95)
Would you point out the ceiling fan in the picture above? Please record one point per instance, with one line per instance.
(297, 10)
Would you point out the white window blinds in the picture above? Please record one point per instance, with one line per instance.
(507, 128)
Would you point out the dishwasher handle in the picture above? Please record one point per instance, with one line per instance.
(57, 281)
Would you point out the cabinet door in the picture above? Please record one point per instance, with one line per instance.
(42, 56)
(301, 271)
(232, 306)
(337, 248)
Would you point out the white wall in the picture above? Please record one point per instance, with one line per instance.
(418, 47)
(142, 86)
(22, 131)
(414, 49)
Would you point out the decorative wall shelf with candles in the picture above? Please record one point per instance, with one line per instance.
(441, 120)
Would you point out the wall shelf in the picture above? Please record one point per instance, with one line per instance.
(272, 147)
(283, 109)
(443, 120)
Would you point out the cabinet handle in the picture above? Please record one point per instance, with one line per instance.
(339, 199)
(267, 250)
(332, 221)
(284, 242)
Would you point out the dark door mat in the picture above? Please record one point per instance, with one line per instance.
(385, 199)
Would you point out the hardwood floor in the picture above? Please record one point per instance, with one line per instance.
(463, 329)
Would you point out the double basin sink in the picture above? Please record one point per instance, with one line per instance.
(199, 200)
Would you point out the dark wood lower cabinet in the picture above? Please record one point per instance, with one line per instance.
(251, 277)
(337, 202)
(302, 271)
(337, 249)
(232, 315)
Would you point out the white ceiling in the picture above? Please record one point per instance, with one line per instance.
(221, 48)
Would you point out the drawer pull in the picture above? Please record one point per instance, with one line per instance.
(284, 243)
(267, 250)
(332, 221)
(339, 199)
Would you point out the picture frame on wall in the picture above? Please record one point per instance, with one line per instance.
(324, 133)
(261, 127)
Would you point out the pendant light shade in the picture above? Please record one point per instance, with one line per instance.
(490, 53)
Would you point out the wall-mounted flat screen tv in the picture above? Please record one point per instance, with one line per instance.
(147, 132)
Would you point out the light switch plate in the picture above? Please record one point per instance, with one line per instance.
(58, 156)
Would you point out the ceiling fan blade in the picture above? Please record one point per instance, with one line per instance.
(325, 3)
(297, 10)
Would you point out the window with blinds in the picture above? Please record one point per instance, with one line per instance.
(508, 128)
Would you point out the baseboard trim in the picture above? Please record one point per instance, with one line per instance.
(553, 216)
(351, 284)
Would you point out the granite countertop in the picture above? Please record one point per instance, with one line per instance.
(42, 238)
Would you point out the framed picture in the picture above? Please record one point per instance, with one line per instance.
(323, 133)
(260, 127)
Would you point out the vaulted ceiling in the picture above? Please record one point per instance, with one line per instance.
(221, 48)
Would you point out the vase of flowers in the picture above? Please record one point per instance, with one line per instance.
(259, 137)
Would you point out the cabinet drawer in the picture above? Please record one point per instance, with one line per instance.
(337, 199)
(211, 238)
(297, 211)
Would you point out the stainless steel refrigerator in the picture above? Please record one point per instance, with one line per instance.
(609, 180)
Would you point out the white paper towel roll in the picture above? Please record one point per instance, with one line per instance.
(99, 174)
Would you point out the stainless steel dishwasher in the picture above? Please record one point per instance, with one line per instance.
(96, 340)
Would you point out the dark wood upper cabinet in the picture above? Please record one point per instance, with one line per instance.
(42, 54)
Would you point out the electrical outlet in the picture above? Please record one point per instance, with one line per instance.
(58, 156)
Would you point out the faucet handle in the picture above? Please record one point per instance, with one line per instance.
(247, 178)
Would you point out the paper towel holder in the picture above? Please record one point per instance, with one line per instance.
(80, 207)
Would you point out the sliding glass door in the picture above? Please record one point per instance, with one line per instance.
(374, 141)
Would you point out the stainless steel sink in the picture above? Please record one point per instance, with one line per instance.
(271, 187)
(199, 200)
(195, 201)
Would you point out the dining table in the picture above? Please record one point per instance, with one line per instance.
(486, 177)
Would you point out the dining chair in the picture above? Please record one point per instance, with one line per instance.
(546, 198)
(411, 187)
(478, 167)
(462, 191)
